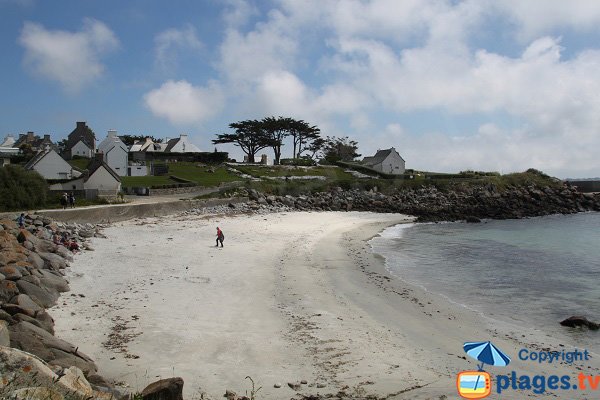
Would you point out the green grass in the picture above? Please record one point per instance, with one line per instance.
(282, 171)
(80, 163)
(202, 175)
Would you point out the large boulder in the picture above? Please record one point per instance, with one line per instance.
(4, 334)
(51, 279)
(25, 302)
(45, 297)
(8, 290)
(35, 260)
(580, 321)
(165, 389)
(35, 340)
(11, 273)
(27, 372)
(53, 261)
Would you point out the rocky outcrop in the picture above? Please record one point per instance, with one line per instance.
(165, 389)
(31, 280)
(580, 322)
(27, 377)
(432, 204)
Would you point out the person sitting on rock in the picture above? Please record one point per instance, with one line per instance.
(21, 221)
(73, 246)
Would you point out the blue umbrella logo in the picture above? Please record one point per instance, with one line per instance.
(487, 353)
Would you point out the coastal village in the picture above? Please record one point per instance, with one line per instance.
(299, 200)
(79, 165)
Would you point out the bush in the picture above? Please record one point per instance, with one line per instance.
(21, 189)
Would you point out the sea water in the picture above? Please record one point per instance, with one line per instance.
(530, 272)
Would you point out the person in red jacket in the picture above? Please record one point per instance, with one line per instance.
(220, 237)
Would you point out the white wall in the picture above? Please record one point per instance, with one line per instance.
(184, 146)
(116, 158)
(138, 170)
(80, 149)
(53, 166)
(102, 180)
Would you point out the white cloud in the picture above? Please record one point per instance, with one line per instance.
(169, 42)
(536, 18)
(70, 58)
(246, 57)
(183, 103)
(412, 57)
(238, 12)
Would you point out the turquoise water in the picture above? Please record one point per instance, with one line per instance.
(530, 272)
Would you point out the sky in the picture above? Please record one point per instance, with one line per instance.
(494, 85)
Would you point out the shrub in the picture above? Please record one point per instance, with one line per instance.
(21, 189)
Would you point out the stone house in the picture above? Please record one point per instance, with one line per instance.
(34, 142)
(386, 161)
(80, 142)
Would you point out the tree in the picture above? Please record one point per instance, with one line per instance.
(340, 149)
(302, 135)
(277, 129)
(21, 189)
(316, 148)
(131, 139)
(249, 135)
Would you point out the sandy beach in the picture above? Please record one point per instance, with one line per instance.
(291, 297)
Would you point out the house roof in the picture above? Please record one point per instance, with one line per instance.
(171, 143)
(96, 163)
(40, 154)
(82, 133)
(379, 157)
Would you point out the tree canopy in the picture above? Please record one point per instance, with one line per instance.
(253, 135)
(340, 149)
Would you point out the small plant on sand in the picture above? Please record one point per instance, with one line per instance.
(254, 390)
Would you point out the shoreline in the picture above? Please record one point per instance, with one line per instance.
(321, 305)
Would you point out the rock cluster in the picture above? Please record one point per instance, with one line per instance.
(31, 280)
(432, 204)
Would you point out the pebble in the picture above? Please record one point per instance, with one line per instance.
(277, 385)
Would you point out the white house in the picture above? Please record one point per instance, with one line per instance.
(102, 178)
(81, 142)
(181, 145)
(147, 145)
(386, 161)
(115, 153)
(49, 164)
(7, 150)
(8, 141)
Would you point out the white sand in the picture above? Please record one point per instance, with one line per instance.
(291, 296)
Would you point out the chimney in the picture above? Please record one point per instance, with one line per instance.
(47, 137)
(183, 135)
(29, 136)
(99, 156)
(80, 124)
(112, 133)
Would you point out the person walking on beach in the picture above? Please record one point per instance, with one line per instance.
(220, 237)
(64, 200)
(72, 200)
